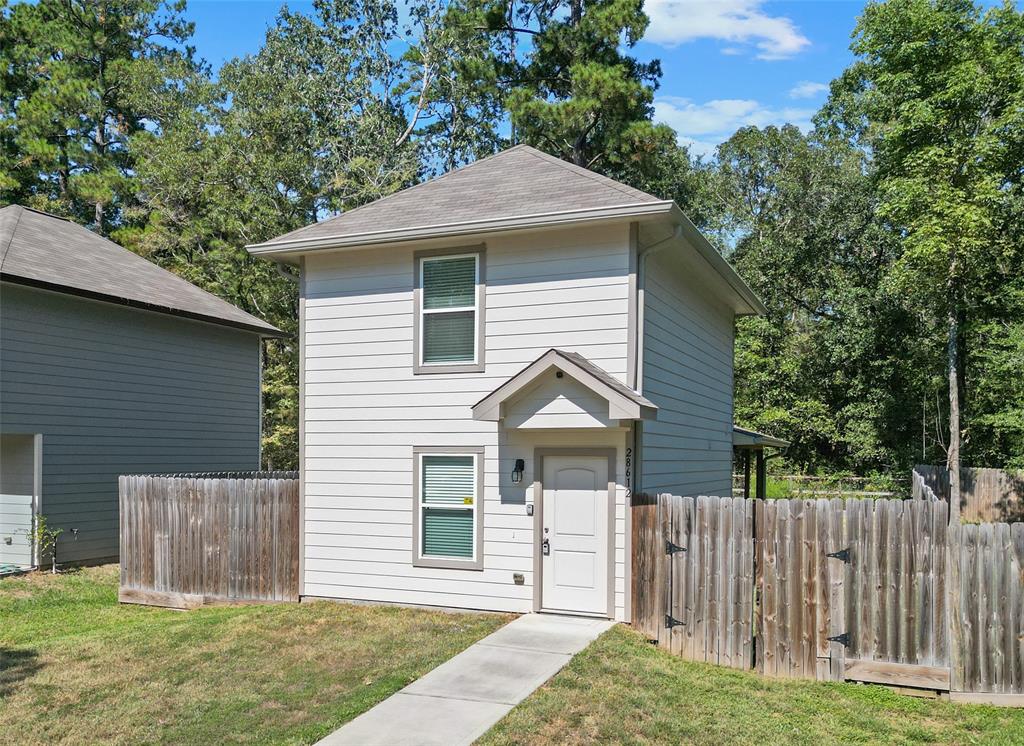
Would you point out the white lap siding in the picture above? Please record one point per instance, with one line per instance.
(365, 410)
(688, 373)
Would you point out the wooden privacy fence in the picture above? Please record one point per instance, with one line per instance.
(194, 539)
(882, 591)
(693, 570)
(854, 590)
(991, 610)
(920, 489)
(985, 494)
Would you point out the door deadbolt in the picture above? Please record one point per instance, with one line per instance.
(545, 547)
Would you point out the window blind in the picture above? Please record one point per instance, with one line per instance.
(449, 337)
(448, 489)
(449, 309)
(449, 283)
(447, 533)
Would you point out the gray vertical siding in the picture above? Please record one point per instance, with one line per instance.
(688, 373)
(115, 390)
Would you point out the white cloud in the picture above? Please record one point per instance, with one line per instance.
(676, 22)
(807, 89)
(702, 126)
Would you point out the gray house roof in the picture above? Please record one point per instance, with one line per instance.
(518, 189)
(518, 183)
(52, 253)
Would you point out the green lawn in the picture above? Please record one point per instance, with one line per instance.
(77, 667)
(622, 690)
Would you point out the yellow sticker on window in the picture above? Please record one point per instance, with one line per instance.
(467, 501)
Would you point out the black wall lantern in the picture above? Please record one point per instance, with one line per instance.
(517, 471)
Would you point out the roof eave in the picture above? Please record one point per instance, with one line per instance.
(725, 270)
(263, 331)
(635, 210)
(744, 438)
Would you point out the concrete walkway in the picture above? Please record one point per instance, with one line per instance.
(461, 699)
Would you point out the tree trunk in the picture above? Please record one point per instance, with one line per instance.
(953, 452)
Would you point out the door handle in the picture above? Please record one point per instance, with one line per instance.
(545, 547)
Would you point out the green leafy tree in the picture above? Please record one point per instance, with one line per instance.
(993, 385)
(336, 109)
(79, 78)
(826, 368)
(454, 109)
(937, 97)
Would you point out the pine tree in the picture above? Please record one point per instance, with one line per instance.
(567, 86)
(79, 77)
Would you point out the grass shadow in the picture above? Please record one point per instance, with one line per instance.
(16, 665)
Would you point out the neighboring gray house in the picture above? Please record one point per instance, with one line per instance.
(490, 363)
(109, 365)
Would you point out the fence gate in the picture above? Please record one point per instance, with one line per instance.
(693, 576)
(853, 590)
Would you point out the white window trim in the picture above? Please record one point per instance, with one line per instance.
(477, 364)
(455, 563)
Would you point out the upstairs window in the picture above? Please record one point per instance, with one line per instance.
(450, 294)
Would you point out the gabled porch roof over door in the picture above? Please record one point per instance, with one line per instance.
(564, 389)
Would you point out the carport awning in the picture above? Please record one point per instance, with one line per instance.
(743, 438)
(623, 402)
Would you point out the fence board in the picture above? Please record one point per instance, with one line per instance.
(769, 589)
(823, 610)
(838, 584)
(677, 534)
(745, 581)
(985, 494)
(193, 539)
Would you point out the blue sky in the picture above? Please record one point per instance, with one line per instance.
(726, 63)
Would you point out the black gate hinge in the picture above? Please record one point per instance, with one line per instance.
(671, 548)
(843, 639)
(842, 554)
(671, 622)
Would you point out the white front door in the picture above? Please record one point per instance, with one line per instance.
(574, 559)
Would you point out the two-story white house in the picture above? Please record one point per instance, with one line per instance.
(491, 362)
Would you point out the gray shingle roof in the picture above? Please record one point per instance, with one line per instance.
(578, 367)
(520, 181)
(46, 251)
(605, 377)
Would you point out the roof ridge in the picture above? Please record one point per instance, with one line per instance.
(586, 173)
(47, 214)
(405, 191)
